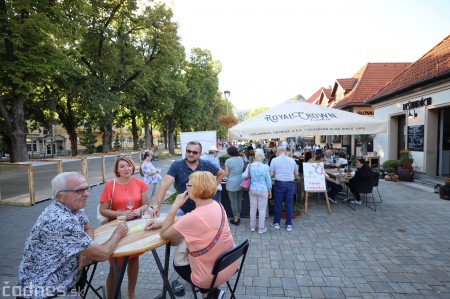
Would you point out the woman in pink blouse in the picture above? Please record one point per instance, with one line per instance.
(205, 230)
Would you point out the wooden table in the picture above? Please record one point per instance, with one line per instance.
(136, 241)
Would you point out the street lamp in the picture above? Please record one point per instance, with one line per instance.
(226, 93)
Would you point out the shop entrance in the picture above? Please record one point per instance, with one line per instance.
(444, 142)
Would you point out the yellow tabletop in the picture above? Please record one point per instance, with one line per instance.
(136, 241)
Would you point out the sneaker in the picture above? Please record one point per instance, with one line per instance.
(289, 228)
(252, 229)
(332, 200)
(276, 225)
(262, 230)
(218, 293)
(356, 202)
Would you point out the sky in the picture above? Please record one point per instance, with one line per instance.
(271, 51)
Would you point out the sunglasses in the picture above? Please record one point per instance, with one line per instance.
(78, 191)
(191, 152)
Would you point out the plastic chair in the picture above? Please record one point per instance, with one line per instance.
(224, 260)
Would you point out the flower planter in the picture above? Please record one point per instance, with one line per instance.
(444, 192)
(405, 174)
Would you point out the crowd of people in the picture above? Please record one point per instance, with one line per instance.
(196, 218)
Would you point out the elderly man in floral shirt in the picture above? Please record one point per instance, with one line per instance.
(61, 242)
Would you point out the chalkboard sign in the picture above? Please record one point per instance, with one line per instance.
(416, 138)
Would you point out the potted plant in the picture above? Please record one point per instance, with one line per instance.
(444, 191)
(405, 170)
(296, 209)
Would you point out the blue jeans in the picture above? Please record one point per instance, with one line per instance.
(283, 192)
(217, 196)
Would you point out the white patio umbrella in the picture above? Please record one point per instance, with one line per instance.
(293, 118)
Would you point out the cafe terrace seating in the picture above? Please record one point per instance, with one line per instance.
(364, 188)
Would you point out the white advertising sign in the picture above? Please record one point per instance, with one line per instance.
(206, 139)
(314, 176)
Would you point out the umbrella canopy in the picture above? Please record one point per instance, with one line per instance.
(293, 118)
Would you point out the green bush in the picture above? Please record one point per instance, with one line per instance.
(391, 164)
(223, 158)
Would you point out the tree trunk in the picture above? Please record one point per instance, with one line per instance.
(107, 137)
(134, 131)
(171, 129)
(147, 136)
(73, 142)
(17, 129)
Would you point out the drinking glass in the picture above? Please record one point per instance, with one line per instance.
(147, 214)
(130, 204)
(122, 216)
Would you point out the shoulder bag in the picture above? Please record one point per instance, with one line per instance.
(102, 219)
(245, 184)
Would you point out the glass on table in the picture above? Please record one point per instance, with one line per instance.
(122, 216)
(147, 214)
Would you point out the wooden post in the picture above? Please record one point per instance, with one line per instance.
(84, 168)
(31, 184)
(103, 169)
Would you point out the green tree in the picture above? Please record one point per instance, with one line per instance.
(30, 54)
(88, 139)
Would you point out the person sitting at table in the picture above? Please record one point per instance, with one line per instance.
(308, 157)
(128, 195)
(61, 242)
(342, 160)
(328, 158)
(363, 172)
(205, 230)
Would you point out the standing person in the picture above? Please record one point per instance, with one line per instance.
(234, 167)
(61, 242)
(363, 172)
(284, 170)
(124, 193)
(260, 190)
(178, 174)
(205, 230)
(212, 158)
(151, 176)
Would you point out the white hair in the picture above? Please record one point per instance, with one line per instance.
(59, 182)
(259, 155)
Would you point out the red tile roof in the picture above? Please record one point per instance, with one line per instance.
(372, 77)
(315, 97)
(432, 65)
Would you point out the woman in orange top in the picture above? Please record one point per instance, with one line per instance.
(128, 194)
(205, 230)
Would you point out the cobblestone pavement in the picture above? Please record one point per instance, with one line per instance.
(400, 251)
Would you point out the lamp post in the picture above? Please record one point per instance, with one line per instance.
(226, 93)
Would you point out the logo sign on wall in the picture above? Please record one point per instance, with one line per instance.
(314, 176)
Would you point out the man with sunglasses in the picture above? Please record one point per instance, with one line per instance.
(61, 243)
(179, 173)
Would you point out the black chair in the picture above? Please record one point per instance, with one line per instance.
(376, 180)
(89, 282)
(365, 187)
(224, 260)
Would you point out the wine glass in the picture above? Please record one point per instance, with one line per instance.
(130, 204)
(147, 214)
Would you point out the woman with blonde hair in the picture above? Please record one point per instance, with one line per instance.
(205, 230)
(124, 194)
(260, 190)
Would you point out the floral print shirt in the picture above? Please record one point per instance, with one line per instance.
(50, 258)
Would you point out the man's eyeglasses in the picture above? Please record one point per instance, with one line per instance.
(188, 185)
(78, 191)
(191, 152)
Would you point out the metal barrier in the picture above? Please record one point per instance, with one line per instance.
(29, 182)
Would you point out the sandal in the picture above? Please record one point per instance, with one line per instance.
(177, 288)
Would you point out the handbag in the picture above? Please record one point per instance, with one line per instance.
(102, 219)
(245, 184)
